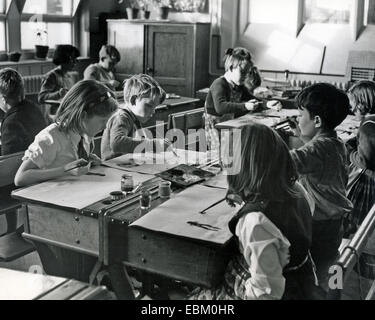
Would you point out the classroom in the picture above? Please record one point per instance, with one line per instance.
(187, 150)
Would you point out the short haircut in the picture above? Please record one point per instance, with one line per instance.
(11, 83)
(64, 53)
(88, 96)
(142, 86)
(327, 102)
(109, 51)
(237, 56)
(362, 95)
(266, 169)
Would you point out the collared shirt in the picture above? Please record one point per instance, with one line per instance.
(53, 148)
(321, 164)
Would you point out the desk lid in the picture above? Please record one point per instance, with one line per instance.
(173, 216)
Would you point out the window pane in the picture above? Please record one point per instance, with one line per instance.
(370, 12)
(2, 36)
(323, 11)
(271, 11)
(57, 7)
(57, 33)
(2, 6)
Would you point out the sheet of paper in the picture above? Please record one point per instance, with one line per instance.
(153, 163)
(219, 181)
(17, 285)
(78, 192)
(172, 217)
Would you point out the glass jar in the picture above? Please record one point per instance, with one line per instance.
(127, 183)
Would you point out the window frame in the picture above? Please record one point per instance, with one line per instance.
(53, 18)
(3, 18)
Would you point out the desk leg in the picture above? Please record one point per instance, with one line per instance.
(95, 271)
(120, 282)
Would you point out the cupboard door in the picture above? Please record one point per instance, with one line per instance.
(129, 40)
(169, 57)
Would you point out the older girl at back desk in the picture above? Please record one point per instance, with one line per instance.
(228, 98)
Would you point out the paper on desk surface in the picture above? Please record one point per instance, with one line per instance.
(18, 285)
(219, 181)
(172, 216)
(78, 192)
(154, 163)
(267, 117)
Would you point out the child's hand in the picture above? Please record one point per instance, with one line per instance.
(114, 83)
(94, 160)
(274, 105)
(294, 126)
(253, 105)
(62, 92)
(77, 168)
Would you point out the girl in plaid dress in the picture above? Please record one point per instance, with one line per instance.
(273, 227)
(361, 188)
(228, 98)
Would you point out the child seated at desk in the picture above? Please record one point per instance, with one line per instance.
(321, 164)
(361, 189)
(228, 98)
(22, 121)
(362, 98)
(58, 81)
(65, 144)
(124, 132)
(104, 70)
(273, 227)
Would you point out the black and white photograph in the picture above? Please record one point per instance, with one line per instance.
(183, 154)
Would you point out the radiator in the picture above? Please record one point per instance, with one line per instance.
(33, 84)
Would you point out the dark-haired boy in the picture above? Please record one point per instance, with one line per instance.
(21, 122)
(321, 164)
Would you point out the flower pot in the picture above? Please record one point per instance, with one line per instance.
(41, 52)
(132, 13)
(14, 56)
(146, 14)
(164, 12)
(4, 57)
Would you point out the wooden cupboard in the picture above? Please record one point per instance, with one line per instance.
(175, 54)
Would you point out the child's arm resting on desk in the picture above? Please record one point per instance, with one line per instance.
(222, 103)
(266, 254)
(29, 173)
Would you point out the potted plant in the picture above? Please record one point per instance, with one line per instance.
(41, 47)
(133, 9)
(145, 5)
(165, 6)
(14, 56)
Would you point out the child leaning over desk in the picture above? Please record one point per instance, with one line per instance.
(124, 131)
(65, 144)
(56, 152)
(321, 164)
(273, 227)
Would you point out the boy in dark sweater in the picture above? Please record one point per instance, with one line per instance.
(321, 164)
(22, 121)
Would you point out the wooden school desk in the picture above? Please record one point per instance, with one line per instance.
(346, 130)
(75, 213)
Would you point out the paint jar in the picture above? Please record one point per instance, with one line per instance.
(164, 189)
(127, 183)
